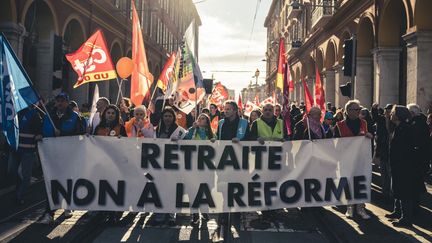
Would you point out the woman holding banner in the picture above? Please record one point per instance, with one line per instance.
(169, 129)
(110, 125)
(200, 130)
(139, 125)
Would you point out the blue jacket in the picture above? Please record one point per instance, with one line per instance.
(242, 128)
(69, 124)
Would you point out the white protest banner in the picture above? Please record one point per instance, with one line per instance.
(131, 174)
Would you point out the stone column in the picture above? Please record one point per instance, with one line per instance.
(386, 75)
(340, 79)
(364, 81)
(419, 68)
(15, 35)
(329, 86)
(44, 66)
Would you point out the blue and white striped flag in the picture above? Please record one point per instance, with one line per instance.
(16, 92)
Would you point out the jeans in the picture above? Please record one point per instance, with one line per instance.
(25, 161)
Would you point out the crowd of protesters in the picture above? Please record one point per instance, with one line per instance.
(400, 139)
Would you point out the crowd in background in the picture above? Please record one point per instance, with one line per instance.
(400, 138)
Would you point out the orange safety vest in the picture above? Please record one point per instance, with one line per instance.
(106, 131)
(346, 132)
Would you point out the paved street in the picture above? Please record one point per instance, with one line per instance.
(329, 224)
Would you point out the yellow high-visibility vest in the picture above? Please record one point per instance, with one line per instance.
(265, 131)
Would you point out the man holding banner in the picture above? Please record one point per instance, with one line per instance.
(352, 126)
(233, 128)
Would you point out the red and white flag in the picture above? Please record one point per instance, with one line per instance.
(92, 61)
(249, 108)
(268, 100)
(141, 77)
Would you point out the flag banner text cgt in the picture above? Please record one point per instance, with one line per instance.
(158, 175)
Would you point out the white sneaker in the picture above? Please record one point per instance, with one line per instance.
(362, 212)
(68, 213)
(47, 219)
(350, 211)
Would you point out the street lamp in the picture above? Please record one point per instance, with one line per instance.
(257, 73)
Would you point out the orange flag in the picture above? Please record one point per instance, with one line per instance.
(141, 77)
(92, 61)
(281, 65)
(214, 124)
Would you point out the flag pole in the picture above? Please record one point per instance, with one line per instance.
(119, 93)
(48, 115)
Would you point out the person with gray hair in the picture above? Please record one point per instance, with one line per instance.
(352, 126)
(310, 127)
(139, 125)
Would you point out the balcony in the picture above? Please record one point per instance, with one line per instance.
(294, 12)
(295, 44)
(322, 14)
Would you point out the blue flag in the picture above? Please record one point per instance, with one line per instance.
(16, 92)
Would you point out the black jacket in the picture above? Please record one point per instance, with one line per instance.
(421, 142)
(407, 182)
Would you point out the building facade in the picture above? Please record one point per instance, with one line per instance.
(43, 31)
(253, 90)
(394, 47)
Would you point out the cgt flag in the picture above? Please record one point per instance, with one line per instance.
(92, 61)
(141, 77)
(16, 92)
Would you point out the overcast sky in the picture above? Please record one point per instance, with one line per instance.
(225, 43)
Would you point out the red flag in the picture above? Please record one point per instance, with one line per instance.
(308, 96)
(166, 73)
(141, 77)
(256, 100)
(281, 65)
(92, 61)
(319, 93)
(219, 95)
(290, 80)
(286, 110)
(240, 103)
